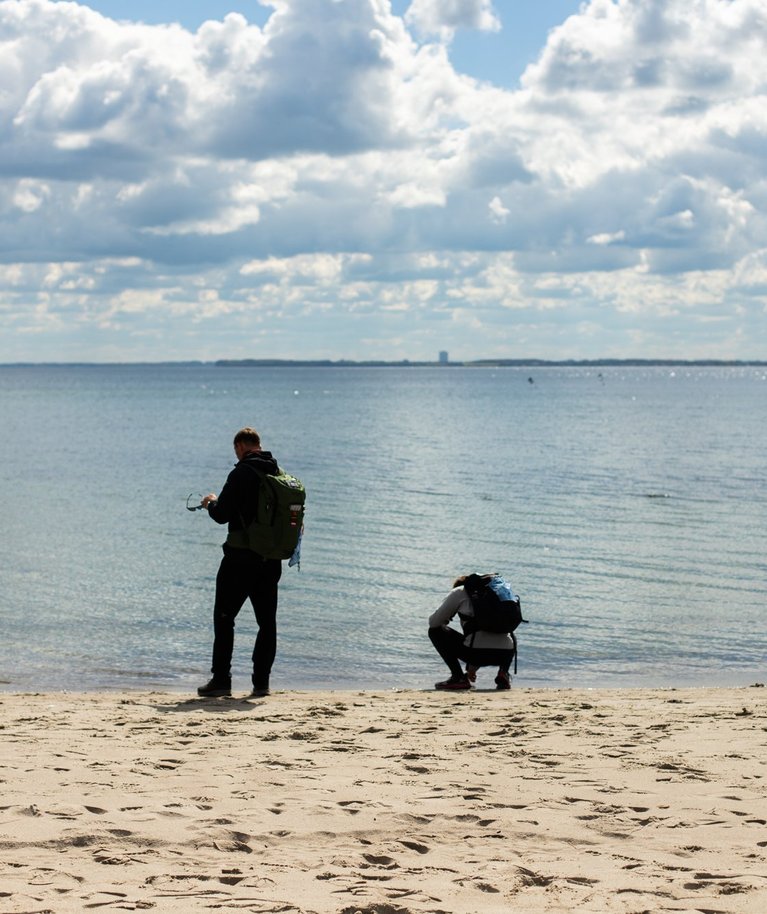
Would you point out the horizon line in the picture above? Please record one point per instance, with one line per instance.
(604, 362)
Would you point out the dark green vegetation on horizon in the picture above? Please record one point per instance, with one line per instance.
(483, 363)
(407, 363)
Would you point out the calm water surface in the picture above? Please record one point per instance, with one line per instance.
(628, 506)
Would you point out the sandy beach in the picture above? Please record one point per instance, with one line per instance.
(400, 802)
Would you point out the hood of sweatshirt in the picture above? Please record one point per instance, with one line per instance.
(261, 461)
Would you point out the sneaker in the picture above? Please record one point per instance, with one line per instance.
(216, 688)
(502, 680)
(471, 673)
(455, 682)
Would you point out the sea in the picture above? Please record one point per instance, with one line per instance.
(627, 506)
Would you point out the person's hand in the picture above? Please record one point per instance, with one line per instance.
(209, 500)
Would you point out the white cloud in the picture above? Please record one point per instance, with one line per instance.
(606, 237)
(444, 17)
(498, 212)
(333, 166)
(30, 195)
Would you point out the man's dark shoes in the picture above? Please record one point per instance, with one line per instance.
(259, 693)
(502, 680)
(454, 683)
(216, 688)
(260, 690)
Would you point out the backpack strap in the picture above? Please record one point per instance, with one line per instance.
(261, 474)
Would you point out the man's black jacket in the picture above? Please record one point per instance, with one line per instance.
(238, 499)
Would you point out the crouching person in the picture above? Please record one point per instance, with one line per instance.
(471, 645)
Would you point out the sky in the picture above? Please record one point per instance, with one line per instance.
(329, 179)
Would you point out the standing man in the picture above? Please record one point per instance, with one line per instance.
(243, 574)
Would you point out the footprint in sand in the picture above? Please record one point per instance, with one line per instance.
(386, 862)
(377, 909)
(486, 887)
(415, 846)
(530, 878)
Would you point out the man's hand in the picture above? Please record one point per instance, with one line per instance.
(208, 500)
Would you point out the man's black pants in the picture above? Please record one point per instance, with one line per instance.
(245, 575)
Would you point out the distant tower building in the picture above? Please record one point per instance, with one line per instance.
(443, 358)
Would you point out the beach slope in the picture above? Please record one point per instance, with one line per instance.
(400, 802)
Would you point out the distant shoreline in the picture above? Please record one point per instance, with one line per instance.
(487, 363)
(406, 363)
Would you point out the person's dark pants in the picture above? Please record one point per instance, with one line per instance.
(244, 575)
(450, 647)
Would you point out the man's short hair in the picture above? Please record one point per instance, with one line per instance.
(248, 435)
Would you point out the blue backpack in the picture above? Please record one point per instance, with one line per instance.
(496, 607)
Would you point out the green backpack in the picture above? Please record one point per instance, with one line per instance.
(275, 531)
